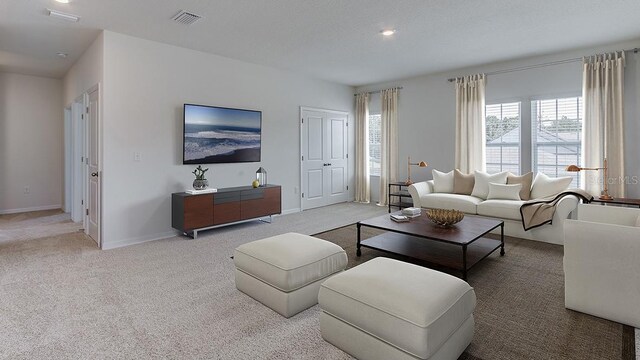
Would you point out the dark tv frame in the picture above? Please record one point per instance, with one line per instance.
(184, 106)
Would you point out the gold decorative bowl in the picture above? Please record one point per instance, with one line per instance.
(445, 218)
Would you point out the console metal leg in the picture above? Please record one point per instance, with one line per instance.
(265, 221)
(464, 262)
(358, 252)
(502, 239)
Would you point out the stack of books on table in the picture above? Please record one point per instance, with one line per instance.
(204, 191)
(411, 212)
(399, 218)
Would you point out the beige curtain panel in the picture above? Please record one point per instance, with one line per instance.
(470, 123)
(602, 136)
(389, 142)
(363, 186)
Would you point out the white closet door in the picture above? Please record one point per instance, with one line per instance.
(324, 157)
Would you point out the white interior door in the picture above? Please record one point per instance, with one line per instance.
(337, 164)
(93, 206)
(324, 164)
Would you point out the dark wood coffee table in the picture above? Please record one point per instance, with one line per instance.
(458, 248)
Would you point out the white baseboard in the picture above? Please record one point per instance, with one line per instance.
(29, 209)
(138, 240)
(291, 211)
(165, 235)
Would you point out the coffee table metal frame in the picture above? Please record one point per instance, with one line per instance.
(397, 240)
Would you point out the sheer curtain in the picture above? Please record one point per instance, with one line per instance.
(603, 96)
(389, 142)
(470, 123)
(363, 187)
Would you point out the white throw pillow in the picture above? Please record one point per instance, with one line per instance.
(545, 186)
(481, 187)
(504, 192)
(442, 182)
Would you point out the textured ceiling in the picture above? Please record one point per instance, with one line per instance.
(336, 40)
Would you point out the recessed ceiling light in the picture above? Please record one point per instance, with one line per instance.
(388, 32)
(63, 1)
(62, 55)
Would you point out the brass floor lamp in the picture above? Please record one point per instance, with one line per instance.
(605, 177)
(409, 164)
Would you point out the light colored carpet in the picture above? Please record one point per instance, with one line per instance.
(62, 298)
(520, 311)
(35, 225)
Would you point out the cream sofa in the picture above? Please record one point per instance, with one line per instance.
(601, 266)
(423, 196)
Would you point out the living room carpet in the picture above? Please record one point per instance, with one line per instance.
(62, 298)
(520, 311)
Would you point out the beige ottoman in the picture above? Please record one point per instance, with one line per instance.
(284, 272)
(388, 309)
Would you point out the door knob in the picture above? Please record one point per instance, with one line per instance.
(94, 174)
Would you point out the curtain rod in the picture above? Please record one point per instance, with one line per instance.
(529, 67)
(378, 91)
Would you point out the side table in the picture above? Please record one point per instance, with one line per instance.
(398, 195)
(618, 201)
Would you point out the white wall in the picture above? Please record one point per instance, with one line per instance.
(426, 109)
(145, 86)
(31, 143)
(86, 72)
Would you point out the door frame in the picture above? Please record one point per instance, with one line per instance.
(77, 150)
(300, 124)
(78, 144)
(68, 163)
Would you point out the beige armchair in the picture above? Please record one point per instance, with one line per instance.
(602, 263)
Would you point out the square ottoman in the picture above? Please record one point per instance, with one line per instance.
(389, 309)
(284, 272)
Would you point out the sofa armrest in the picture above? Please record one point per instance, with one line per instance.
(564, 207)
(419, 189)
(601, 270)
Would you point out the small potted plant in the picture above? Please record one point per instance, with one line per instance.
(200, 183)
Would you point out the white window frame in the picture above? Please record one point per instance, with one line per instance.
(371, 145)
(520, 144)
(579, 143)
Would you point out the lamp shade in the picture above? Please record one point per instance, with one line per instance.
(573, 168)
(422, 164)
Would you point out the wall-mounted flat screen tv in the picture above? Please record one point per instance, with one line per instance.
(215, 135)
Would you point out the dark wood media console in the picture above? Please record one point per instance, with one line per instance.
(193, 213)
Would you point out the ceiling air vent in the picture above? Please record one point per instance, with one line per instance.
(185, 17)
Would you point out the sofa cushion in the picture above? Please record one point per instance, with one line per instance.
(411, 307)
(442, 182)
(545, 186)
(526, 180)
(464, 203)
(463, 183)
(481, 187)
(503, 209)
(504, 192)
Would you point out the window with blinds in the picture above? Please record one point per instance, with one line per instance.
(557, 136)
(375, 138)
(503, 137)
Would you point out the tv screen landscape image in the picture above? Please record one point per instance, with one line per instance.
(221, 135)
